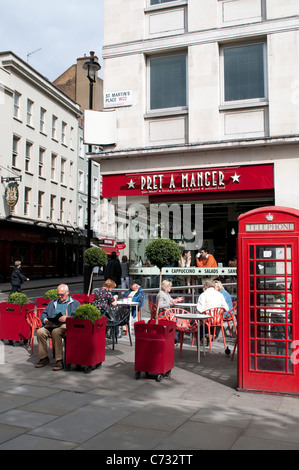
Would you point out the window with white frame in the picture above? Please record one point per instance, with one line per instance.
(95, 187)
(62, 210)
(72, 138)
(81, 180)
(168, 81)
(16, 100)
(54, 127)
(41, 195)
(71, 208)
(63, 133)
(41, 161)
(28, 156)
(62, 171)
(27, 196)
(81, 147)
(29, 113)
(15, 150)
(53, 166)
(80, 216)
(42, 120)
(244, 71)
(52, 207)
(71, 182)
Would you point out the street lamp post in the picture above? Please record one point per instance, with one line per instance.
(92, 67)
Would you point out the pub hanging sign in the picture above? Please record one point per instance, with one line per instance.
(12, 194)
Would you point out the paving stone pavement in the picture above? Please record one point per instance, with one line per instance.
(197, 408)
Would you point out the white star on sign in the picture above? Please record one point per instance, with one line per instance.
(131, 185)
(236, 178)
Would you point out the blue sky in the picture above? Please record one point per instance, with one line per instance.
(63, 30)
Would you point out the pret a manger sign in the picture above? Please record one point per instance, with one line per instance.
(238, 178)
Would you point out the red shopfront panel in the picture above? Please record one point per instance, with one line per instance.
(268, 305)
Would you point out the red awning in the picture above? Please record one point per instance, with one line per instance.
(109, 249)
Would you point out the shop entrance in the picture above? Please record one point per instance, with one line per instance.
(268, 300)
(219, 232)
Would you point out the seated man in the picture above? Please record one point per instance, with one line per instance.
(205, 260)
(53, 320)
(210, 298)
(135, 294)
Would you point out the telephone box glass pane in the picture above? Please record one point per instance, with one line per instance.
(271, 322)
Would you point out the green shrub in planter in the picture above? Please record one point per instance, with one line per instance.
(162, 252)
(18, 298)
(87, 312)
(51, 294)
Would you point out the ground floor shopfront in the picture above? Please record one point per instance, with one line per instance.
(43, 251)
(198, 190)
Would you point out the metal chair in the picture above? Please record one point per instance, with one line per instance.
(182, 326)
(215, 320)
(153, 310)
(118, 316)
(41, 304)
(231, 316)
(84, 298)
(34, 322)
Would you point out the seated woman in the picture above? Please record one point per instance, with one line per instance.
(165, 301)
(219, 287)
(104, 299)
(135, 294)
(164, 298)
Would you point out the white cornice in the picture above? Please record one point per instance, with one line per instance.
(225, 34)
(197, 147)
(13, 64)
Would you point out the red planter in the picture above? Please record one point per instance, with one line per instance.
(154, 348)
(85, 343)
(13, 325)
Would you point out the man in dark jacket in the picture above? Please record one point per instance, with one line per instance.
(17, 278)
(113, 269)
(53, 321)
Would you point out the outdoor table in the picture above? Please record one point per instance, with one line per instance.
(131, 304)
(186, 305)
(195, 316)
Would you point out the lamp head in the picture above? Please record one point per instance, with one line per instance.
(92, 67)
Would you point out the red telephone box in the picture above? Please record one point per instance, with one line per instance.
(268, 323)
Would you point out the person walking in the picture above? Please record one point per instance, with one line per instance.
(125, 278)
(17, 278)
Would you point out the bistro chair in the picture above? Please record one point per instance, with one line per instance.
(231, 316)
(79, 297)
(118, 316)
(24, 327)
(153, 310)
(215, 320)
(41, 304)
(182, 326)
(84, 298)
(34, 323)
